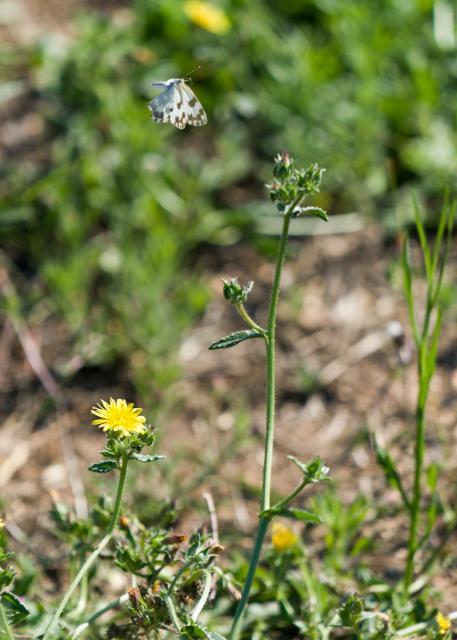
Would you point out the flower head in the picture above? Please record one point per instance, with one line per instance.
(283, 537)
(444, 624)
(2, 523)
(120, 417)
(207, 16)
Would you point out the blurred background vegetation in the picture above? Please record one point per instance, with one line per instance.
(103, 213)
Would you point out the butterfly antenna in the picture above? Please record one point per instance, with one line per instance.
(193, 71)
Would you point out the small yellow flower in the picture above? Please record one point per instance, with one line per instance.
(444, 624)
(283, 538)
(119, 416)
(2, 523)
(207, 16)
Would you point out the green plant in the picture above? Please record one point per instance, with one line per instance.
(426, 329)
(163, 603)
(288, 191)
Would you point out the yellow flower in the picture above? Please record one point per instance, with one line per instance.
(119, 416)
(2, 523)
(207, 16)
(444, 624)
(283, 538)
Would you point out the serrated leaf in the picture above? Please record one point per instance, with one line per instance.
(235, 338)
(103, 467)
(142, 457)
(293, 514)
(15, 610)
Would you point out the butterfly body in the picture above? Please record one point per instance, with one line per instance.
(177, 104)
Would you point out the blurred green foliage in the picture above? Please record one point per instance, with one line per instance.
(110, 216)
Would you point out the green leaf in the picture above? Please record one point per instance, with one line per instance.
(433, 347)
(193, 632)
(351, 612)
(442, 224)
(310, 211)
(103, 467)
(234, 339)
(408, 288)
(141, 457)
(15, 610)
(6, 577)
(293, 514)
(424, 243)
(432, 473)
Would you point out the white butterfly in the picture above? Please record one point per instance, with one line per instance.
(178, 104)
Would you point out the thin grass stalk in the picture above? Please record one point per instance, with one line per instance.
(94, 555)
(427, 344)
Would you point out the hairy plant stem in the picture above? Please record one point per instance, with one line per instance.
(204, 597)
(4, 626)
(270, 340)
(94, 555)
(172, 611)
(249, 321)
(271, 366)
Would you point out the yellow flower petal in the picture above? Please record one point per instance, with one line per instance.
(207, 16)
(444, 624)
(283, 537)
(119, 417)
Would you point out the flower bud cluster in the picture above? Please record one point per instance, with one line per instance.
(290, 185)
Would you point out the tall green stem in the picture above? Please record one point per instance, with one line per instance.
(424, 384)
(271, 368)
(415, 503)
(258, 543)
(270, 340)
(94, 555)
(4, 626)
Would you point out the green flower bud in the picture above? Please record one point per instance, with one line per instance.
(283, 167)
(235, 293)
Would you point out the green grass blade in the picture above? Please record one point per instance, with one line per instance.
(434, 341)
(408, 288)
(423, 241)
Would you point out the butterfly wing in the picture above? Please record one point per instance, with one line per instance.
(164, 106)
(193, 110)
(178, 105)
